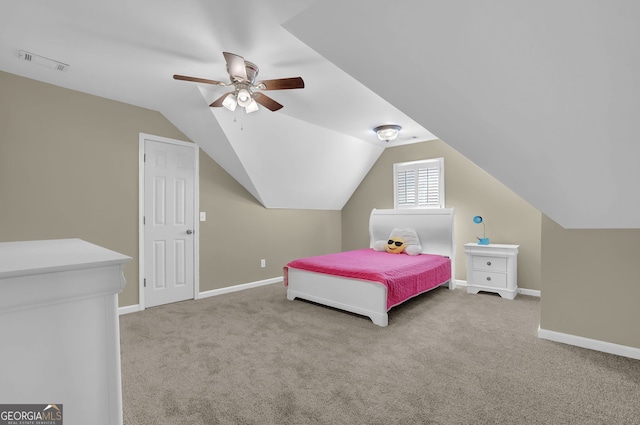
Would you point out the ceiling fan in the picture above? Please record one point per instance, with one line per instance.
(243, 75)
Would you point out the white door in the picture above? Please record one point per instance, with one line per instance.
(169, 222)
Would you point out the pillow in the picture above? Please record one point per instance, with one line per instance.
(409, 238)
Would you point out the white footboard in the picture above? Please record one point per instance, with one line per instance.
(353, 295)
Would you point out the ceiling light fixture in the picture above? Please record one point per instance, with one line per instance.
(230, 102)
(242, 97)
(251, 107)
(388, 132)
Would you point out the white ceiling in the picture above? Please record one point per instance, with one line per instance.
(312, 154)
(544, 95)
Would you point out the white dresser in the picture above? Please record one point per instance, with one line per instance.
(59, 329)
(492, 268)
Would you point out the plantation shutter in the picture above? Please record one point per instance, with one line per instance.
(419, 184)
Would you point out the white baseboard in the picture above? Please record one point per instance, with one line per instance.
(228, 289)
(531, 292)
(523, 291)
(136, 307)
(128, 309)
(592, 344)
(212, 293)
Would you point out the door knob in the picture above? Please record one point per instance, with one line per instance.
(189, 231)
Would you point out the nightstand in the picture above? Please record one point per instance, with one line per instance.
(492, 268)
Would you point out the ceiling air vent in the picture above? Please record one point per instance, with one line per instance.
(41, 60)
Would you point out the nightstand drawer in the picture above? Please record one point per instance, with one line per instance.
(495, 264)
(496, 280)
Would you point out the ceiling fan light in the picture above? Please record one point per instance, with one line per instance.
(251, 107)
(387, 133)
(230, 102)
(244, 98)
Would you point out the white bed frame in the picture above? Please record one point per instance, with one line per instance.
(435, 230)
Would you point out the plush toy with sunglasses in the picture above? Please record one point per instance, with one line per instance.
(400, 240)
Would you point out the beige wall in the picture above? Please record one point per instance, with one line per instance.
(590, 283)
(69, 168)
(469, 189)
(587, 277)
(239, 232)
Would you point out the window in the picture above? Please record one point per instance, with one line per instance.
(419, 184)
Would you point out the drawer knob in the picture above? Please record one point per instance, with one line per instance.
(488, 263)
(488, 277)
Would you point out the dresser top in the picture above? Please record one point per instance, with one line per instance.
(34, 257)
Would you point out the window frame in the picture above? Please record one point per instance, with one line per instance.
(416, 166)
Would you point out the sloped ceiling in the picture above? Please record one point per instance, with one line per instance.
(312, 154)
(544, 95)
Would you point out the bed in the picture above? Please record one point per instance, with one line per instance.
(370, 292)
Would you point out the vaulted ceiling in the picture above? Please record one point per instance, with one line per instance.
(544, 95)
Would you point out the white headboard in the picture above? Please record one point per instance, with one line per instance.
(433, 225)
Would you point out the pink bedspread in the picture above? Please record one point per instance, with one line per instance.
(405, 276)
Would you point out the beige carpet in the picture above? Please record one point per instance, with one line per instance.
(447, 357)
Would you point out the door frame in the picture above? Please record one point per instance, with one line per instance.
(141, 212)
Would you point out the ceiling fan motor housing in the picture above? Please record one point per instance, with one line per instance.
(252, 71)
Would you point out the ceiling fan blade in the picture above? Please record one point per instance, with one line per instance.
(235, 66)
(282, 84)
(266, 101)
(199, 80)
(218, 101)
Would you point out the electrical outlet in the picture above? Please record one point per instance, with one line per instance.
(263, 263)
